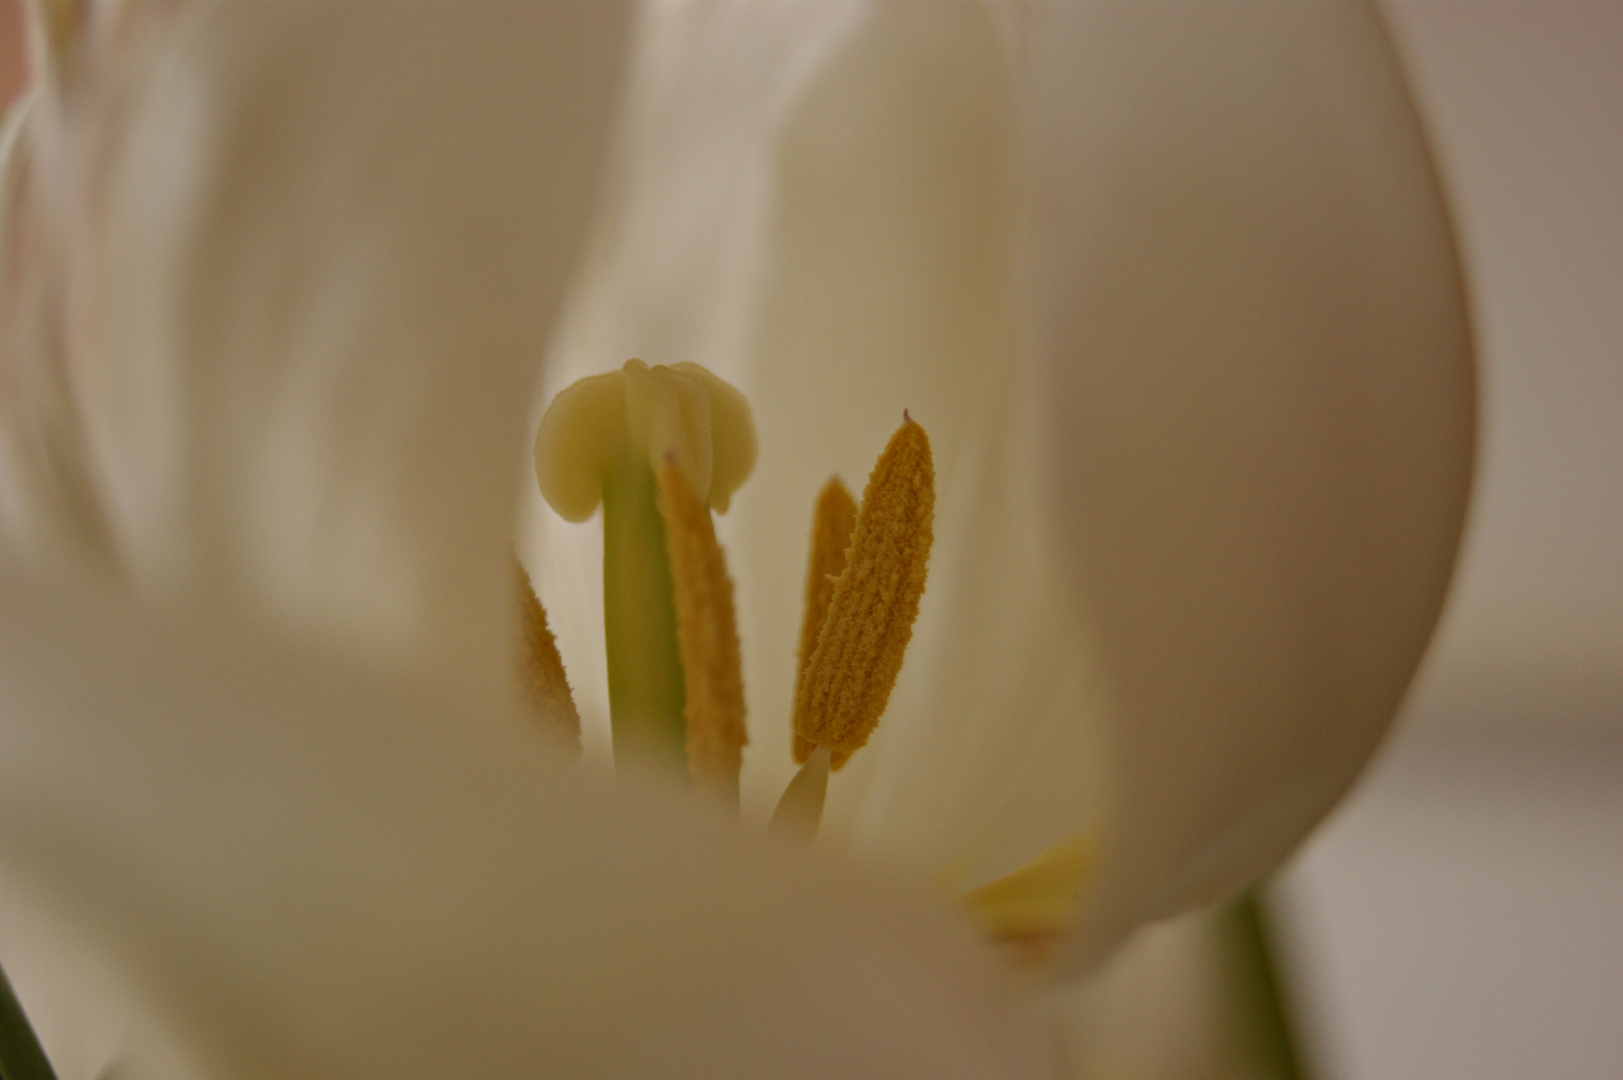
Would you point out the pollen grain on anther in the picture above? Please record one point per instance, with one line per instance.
(540, 668)
(875, 600)
(706, 637)
(833, 519)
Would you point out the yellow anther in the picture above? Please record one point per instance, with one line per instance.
(706, 637)
(680, 413)
(848, 680)
(832, 521)
(540, 668)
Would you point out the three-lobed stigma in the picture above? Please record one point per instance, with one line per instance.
(603, 424)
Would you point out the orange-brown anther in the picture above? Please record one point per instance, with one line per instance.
(541, 669)
(706, 637)
(832, 521)
(848, 679)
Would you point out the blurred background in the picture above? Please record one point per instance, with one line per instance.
(1459, 916)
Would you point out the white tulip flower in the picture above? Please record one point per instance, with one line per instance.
(1172, 290)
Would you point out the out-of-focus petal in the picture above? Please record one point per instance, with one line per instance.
(316, 873)
(306, 259)
(36, 505)
(1260, 410)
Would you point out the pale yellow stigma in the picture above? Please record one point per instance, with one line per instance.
(540, 668)
(847, 681)
(681, 413)
(832, 522)
(706, 638)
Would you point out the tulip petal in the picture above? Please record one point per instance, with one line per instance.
(49, 511)
(1261, 414)
(305, 870)
(306, 259)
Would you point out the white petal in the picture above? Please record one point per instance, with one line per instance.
(310, 872)
(677, 247)
(1261, 402)
(37, 518)
(311, 259)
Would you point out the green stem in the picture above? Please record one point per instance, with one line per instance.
(21, 1057)
(639, 620)
(1271, 1048)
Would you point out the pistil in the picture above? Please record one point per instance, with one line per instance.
(646, 691)
(605, 441)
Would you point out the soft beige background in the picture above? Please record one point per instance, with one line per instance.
(1459, 917)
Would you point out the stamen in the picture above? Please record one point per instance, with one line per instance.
(832, 521)
(876, 600)
(800, 811)
(541, 669)
(706, 637)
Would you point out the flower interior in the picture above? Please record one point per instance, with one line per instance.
(661, 448)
